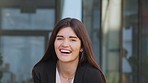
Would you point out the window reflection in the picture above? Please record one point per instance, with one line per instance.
(91, 18)
(23, 40)
(144, 42)
(127, 66)
(130, 43)
(12, 18)
(19, 55)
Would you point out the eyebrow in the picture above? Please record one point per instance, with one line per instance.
(69, 36)
(73, 37)
(59, 36)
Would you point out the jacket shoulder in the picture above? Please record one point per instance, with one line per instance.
(92, 75)
(41, 72)
(43, 66)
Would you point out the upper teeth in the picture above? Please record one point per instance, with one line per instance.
(65, 51)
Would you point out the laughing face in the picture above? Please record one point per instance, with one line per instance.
(67, 45)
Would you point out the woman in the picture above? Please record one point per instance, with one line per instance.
(69, 57)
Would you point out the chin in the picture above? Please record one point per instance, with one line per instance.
(65, 61)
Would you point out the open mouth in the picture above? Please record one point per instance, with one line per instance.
(66, 51)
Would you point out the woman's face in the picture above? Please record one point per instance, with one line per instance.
(67, 45)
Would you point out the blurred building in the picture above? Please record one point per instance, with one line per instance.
(118, 29)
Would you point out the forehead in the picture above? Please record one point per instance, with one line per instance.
(66, 31)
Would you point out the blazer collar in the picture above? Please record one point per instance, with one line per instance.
(52, 73)
(79, 74)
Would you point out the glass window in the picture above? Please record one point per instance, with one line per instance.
(130, 43)
(19, 55)
(144, 42)
(42, 19)
(25, 31)
(111, 26)
(91, 18)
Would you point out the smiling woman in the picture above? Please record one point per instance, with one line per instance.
(69, 57)
(67, 46)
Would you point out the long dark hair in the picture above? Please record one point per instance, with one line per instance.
(82, 34)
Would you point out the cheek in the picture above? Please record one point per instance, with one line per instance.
(56, 45)
(77, 47)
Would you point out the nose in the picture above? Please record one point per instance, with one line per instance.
(65, 43)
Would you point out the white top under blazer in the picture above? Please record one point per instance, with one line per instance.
(58, 80)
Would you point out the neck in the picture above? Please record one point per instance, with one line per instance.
(67, 70)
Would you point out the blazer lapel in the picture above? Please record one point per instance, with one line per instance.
(51, 72)
(79, 74)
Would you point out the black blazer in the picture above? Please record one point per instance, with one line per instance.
(46, 73)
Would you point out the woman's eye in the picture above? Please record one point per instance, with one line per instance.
(73, 40)
(59, 38)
